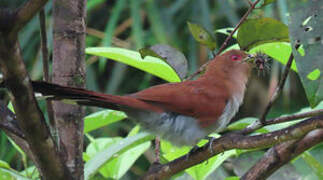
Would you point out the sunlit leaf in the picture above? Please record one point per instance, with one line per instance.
(102, 118)
(116, 149)
(150, 64)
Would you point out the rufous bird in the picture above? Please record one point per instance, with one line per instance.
(183, 112)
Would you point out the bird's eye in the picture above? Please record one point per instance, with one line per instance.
(235, 57)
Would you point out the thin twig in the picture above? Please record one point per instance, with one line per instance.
(43, 44)
(294, 117)
(225, 43)
(262, 120)
(44, 49)
(280, 86)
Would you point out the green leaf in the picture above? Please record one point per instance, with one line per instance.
(279, 51)
(202, 170)
(306, 29)
(93, 3)
(148, 52)
(134, 131)
(266, 2)
(150, 64)
(232, 178)
(4, 164)
(254, 32)
(10, 174)
(113, 151)
(313, 163)
(201, 35)
(102, 118)
(120, 163)
(170, 55)
(227, 31)
(314, 75)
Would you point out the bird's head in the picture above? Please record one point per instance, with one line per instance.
(236, 63)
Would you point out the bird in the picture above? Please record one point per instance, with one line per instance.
(182, 112)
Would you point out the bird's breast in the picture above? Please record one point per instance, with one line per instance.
(176, 128)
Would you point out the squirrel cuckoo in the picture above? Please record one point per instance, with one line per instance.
(183, 112)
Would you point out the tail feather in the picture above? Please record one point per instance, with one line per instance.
(91, 98)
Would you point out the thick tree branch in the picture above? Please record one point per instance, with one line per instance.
(232, 141)
(69, 69)
(281, 154)
(28, 114)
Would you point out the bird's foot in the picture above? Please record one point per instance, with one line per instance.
(194, 148)
(210, 139)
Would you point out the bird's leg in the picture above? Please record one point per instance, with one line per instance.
(210, 139)
(157, 150)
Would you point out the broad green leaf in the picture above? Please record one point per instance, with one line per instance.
(201, 35)
(266, 2)
(202, 170)
(306, 29)
(134, 130)
(31, 172)
(148, 52)
(150, 64)
(4, 164)
(102, 118)
(313, 163)
(171, 56)
(254, 32)
(108, 154)
(10, 174)
(279, 51)
(120, 163)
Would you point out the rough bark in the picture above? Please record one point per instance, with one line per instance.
(69, 69)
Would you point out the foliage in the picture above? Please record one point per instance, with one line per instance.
(110, 156)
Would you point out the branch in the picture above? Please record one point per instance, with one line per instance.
(24, 14)
(281, 154)
(280, 86)
(8, 121)
(225, 43)
(294, 117)
(29, 116)
(44, 49)
(234, 141)
(257, 125)
(262, 121)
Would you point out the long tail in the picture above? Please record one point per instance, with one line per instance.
(90, 98)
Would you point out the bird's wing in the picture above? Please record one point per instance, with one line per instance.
(190, 98)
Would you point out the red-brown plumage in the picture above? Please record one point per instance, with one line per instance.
(203, 105)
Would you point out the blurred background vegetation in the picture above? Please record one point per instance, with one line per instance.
(134, 24)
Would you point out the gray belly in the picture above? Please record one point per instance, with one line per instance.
(178, 129)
